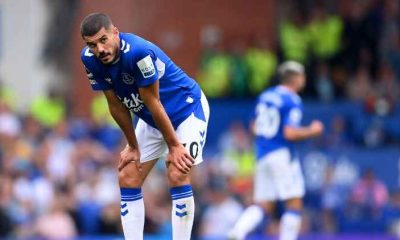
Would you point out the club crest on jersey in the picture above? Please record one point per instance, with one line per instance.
(127, 79)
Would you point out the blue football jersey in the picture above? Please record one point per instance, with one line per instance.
(140, 64)
(276, 108)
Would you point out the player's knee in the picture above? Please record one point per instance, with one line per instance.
(294, 204)
(177, 178)
(267, 206)
(129, 179)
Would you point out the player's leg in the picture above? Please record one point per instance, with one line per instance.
(250, 219)
(132, 205)
(183, 207)
(264, 198)
(294, 191)
(152, 147)
(192, 133)
(291, 220)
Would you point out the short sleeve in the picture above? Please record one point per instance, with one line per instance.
(145, 68)
(294, 115)
(97, 81)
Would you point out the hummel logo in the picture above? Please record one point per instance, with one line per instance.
(182, 214)
(124, 212)
(125, 46)
(88, 53)
(180, 206)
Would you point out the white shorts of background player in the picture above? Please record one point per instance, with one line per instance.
(278, 177)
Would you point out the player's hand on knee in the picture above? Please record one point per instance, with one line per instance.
(180, 158)
(129, 155)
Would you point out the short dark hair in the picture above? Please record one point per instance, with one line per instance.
(92, 23)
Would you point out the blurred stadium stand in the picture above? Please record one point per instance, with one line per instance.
(58, 145)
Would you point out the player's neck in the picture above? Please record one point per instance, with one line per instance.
(118, 52)
(289, 88)
(116, 59)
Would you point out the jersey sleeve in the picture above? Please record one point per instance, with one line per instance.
(293, 116)
(145, 68)
(97, 80)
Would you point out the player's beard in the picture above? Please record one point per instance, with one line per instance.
(116, 54)
(102, 55)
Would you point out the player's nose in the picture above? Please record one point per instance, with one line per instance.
(100, 48)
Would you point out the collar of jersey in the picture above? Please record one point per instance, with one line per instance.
(285, 89)
(117, 60)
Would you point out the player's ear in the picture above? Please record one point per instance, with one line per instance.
(115, 30)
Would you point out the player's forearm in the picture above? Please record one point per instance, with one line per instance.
(151, 98)
(124, 120)
(163, 123)
(298, 134)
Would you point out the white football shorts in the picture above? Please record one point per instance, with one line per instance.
(191, 133)
(278, 177)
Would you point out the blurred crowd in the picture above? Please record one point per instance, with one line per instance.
(341, 196)
(59, 180)
(58, 172)
(351, 50)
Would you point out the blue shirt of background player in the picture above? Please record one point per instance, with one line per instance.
(140, 64)
(276, 108)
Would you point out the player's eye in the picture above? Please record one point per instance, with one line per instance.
(103, 40)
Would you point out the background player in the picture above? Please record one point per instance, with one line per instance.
(138, 77)
(278, 174)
